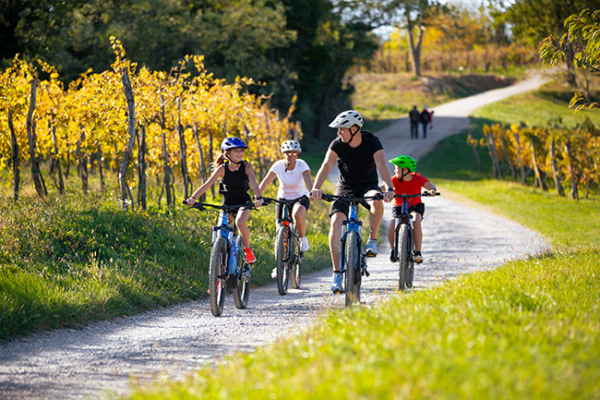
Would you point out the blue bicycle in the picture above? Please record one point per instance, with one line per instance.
(228, 268)
(354, 265)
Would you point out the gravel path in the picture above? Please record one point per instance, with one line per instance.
(88, 363)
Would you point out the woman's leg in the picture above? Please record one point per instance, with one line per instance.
(240, 222)
(299, 221)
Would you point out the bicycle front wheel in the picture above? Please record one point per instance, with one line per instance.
(216, 276)
(352, 269)
(404, 256)
(295, 271)
(241, 293)
(282, 259)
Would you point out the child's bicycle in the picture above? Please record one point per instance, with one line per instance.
(354, 265)
(228, 268)
(403, 242)
(288, 257)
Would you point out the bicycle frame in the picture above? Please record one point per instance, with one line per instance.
(352, 224)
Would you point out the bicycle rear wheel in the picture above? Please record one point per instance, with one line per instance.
(216, 273)
(295, 272)
(404, 256)
(282, 259)
(352, 285)
(241, 293)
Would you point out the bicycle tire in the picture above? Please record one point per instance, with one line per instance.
(217, 268)
(282, 259)
(403, 256)
(352, 260)
(410, 271)
(296, 267)
(241, 293)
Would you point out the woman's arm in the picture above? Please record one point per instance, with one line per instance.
(308, 179)
(254, 185)
(267, 181)
(218, 173)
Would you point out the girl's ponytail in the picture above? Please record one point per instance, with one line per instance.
(220, 160)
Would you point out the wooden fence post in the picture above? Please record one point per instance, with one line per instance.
(131, 132)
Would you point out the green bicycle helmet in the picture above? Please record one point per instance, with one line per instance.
(405, 162)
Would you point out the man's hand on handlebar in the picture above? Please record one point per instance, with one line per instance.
(316, 194)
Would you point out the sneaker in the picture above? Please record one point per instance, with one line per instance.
(274, 273)
(304, 244)
(371, 250)
(418, 257)
(393, 257)
(336, 282)
(249, 255)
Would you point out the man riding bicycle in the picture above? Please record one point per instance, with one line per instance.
(359, 155)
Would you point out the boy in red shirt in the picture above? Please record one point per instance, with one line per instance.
(407, 181)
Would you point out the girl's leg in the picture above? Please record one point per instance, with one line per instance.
(390, 232)
(417, 231)
(298, 215)
(240, 222)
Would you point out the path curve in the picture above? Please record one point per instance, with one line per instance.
(76, 364)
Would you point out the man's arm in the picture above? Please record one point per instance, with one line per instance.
(328, 163)
(381, 164)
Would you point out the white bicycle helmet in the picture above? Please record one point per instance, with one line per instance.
(347, 119)
(291, 145)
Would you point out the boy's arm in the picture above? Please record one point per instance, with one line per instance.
(431, 187)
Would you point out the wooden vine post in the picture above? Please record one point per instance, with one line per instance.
(492, 147)
(36, 174)
(142, 167)
(182, 152)
(538, 174)
(520, 159)
(557, 182)
(574, 191)
(131, 132)
(15, 159)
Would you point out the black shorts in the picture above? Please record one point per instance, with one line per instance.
(235, 202)
(419, 208)
(344, 207)
(279, 208)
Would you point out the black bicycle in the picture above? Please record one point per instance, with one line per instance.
(354, 265)
(403, 242)
(228, 269)
(288, 257)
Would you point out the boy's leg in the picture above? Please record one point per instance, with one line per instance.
(417, 230)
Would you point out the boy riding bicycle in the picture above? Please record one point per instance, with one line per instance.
(407, 181)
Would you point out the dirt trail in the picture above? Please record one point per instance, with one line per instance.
(89, 362)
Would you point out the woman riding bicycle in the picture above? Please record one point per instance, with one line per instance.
(295, 183)
(407, 181)
(235, 174)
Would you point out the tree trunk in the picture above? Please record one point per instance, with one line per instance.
(131, 133)
(477, 158)
(182, 152)
(15, 159)
(142, 168)
(36, 174)
(495, 162)
(557, 182)
(201, 158)
(55, 167)
(538, 175)
(166, 169)
(211, 157)
(574, 191)
(82, 162)
(415, 49)
(520, 160)
(513, 172)
(100, 169)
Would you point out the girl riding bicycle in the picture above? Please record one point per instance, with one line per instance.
(407, 181)
(295, 183)
(236, 176)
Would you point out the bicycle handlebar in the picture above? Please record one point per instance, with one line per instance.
(333, 197)
(269, 200)
(201, 206)
(408, 196)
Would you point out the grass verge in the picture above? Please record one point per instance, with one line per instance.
(74, 261)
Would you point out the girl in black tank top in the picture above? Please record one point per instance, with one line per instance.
(237, 176)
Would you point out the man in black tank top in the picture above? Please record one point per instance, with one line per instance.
(359, 156)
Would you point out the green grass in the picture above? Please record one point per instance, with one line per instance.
(526, 330)
(72, 260)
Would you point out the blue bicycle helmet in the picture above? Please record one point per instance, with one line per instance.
(232, 143)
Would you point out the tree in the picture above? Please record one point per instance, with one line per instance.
(582, 42)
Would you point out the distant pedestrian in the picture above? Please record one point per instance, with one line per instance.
(414, 116)
(426, 119)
